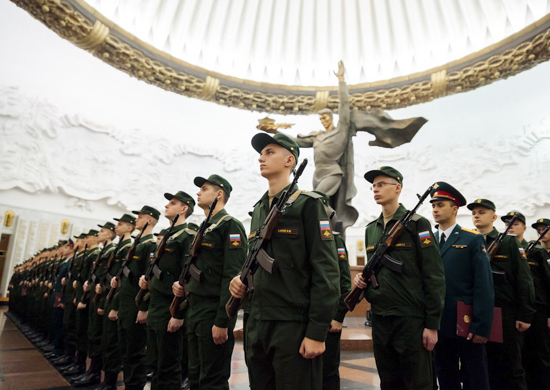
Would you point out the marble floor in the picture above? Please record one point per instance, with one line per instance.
(23, 367)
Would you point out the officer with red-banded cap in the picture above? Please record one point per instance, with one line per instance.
(468, 279)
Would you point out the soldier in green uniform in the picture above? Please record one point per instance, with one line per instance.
(223, 251)
(112, 360)
(514, 293)
(331, 356)
(291, 309)
(160, 235)
(536, 348)
(165, 333)
(131, 319)
(408, 305)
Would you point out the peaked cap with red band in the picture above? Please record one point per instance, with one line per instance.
(445, 191)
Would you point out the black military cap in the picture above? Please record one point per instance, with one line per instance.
(512, 214)
(445, 191)
(108, 225)
(541, 221)
(486, 203)
(92, 232)
(161, 233)
(184, 197)
(261, 140)
(216, 180)
(384, 171)
(127, 218)
(148, 210)
(82, 235)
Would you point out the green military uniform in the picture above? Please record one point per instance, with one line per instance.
(132, 335)
(112, 360)
(166, 347)
(220, 258)
(406, 302)
(514, 293)
(536, 349)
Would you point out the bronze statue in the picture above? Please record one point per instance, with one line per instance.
(333, 148)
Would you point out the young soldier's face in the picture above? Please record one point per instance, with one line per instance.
(104, 235)
(546, 237)
(141, 220)
(518, 228)
(274, 160)
(91, 240)
(173, 208)
(483, 218)
(206, 195)
(385, 189)
(159, 239)
(67, 249)
(123, 227)
(443, 211)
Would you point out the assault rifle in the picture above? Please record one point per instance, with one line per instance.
(92, 277)
(257, 254)
(97, 297)
(190, 270)
(125, 262)
(381, 257)
(533, 244)
(495, 245)
(153, 265)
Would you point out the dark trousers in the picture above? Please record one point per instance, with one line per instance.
(504, 359)
(58, 331)
(165, 349)
(95, 331)
(536, 351)
(132, 340)
(451, 354)
(401, 359)
(274, 361)
(69, 323)
(331, 362)
(112, 361)
(82, 330)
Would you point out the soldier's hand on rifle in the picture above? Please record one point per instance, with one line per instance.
(100, 312)
(237, 288)
(74, 284)
(174, 325)
(429, 339)
(114, 283)
(50, 285)
(141, 317)
(80, 306)
(113, 315)
(310, 349)
(359, 281)
(143, 283)
(98, 289)
(178, 290)
(522, 326)
(219, 335)
(63, 281)
(86, 286)
(335, 326)
(45, 295)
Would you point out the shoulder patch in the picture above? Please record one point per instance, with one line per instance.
(342, 254)
(235, 241)
(470, 231)
(326, 231)
(522, 253)
(426, 239)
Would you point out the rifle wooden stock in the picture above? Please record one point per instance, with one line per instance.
(86, 295)
(98, 296)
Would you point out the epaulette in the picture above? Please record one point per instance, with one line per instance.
(470, 231)
(312, 194)
(416, 217)
(193, 226)
(373, 221)
(336, 233)
(189, 231)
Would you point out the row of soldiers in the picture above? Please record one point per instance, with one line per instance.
(78, 300)
(294, 313)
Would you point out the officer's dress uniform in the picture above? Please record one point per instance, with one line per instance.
(514, 293)
(82, 315)
(298, 300)
(331, 356)
(166, 347)
(132, 335)
(405, 303)
(221, 257)
(468, 279)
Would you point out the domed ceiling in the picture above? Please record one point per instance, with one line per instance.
(279, 55)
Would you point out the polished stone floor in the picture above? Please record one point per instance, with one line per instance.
(22, 367)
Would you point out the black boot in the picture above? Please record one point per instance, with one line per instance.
(89, 380)
(110, 381)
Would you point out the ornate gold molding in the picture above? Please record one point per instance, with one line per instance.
(76, 21)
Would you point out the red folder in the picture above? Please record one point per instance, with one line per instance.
(464, 316)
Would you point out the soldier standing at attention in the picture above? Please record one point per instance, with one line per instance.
(536, 348)
(407, 307)
(514, 293)
(222, 254)
(132, 336)
(291, 310)
(165, 334)
(468, 279)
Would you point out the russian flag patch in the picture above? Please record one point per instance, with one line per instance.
(342, 253)
(234, 240)
(425, 239)
(326, 232)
